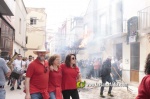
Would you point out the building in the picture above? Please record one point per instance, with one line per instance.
(137, 45)
(90, 29)
(7, 30)
(19, 22)
(36, 30)
(101, 20)
(63, 39)
(69, 36)
(122, 31)
(76, 35)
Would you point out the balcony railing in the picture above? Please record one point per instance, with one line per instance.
(144, 19)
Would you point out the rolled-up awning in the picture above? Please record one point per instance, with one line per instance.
(4, 9)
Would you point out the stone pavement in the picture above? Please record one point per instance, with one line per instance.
(118, 92)
(89, 92)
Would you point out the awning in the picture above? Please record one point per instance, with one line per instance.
(4, 9)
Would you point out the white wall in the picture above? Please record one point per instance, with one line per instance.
(20, 27)
(126, 62)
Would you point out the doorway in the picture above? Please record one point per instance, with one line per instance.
(134, 61)
(119, 51)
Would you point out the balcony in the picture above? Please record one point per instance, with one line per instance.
(144, 20)
(4, 9)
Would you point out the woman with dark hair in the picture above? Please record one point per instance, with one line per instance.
(144, 87)
(55, 78)
(70, 76)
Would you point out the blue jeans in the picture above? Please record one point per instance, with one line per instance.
(2, 93)
(36, 96)
(52, 95)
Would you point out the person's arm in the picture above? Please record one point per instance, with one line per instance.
(51, 68)
(27, 88)
(7, 71)
(29, 75)
(79, 77)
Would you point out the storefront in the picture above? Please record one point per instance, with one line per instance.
(6, 38)
(6, 30)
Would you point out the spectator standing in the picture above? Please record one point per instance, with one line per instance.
(4, 72)
(37, 77)
(144, 87)
(55, 78)
(70, 76)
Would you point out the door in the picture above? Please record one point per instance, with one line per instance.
(119, 51)
(134, 61)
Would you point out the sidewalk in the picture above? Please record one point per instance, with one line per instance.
(16, 94)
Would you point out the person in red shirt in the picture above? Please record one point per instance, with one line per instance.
(144, 87)
(70, 76)
(55, 78)
(37, 77)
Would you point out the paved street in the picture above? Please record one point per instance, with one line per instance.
(85, 93)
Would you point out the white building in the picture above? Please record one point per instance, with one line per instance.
(20, 27)
(138, 47)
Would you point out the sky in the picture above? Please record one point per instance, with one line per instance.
(59, 10)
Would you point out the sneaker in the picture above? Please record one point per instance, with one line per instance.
(18, 87)
(101, 95)
(12, 88)
(109, 94)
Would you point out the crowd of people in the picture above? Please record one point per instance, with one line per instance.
(51, 79)
(45, 78)
(91, 68)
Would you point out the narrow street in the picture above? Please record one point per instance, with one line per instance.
(85, 93)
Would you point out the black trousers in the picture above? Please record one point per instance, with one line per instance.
(104, 79)
(73, 93)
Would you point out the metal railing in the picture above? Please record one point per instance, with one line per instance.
(144, 18)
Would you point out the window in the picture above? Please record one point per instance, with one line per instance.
(20, 26)
(3, 27)
(26, 39)
(33, 20)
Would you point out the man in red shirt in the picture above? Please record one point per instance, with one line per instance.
(37, 77)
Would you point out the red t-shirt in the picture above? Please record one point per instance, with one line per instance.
(69, 77)
(55, 79)
(38, 76)
(96, 65)
(144, 88)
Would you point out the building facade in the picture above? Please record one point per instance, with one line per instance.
(76, 36)
(19, 22)
(7, 30)
(137, 45)
(36, 30)
(122, 31)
